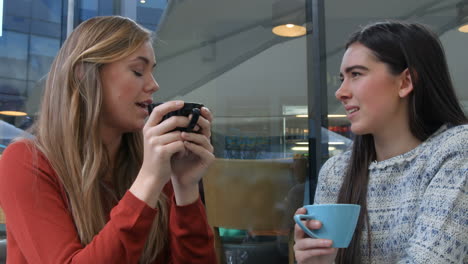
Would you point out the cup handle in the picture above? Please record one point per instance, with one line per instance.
(298, 218)
(194, 120)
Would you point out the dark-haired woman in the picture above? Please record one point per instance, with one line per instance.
(408, 166)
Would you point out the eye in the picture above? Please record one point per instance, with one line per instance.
(341, 79)
(355, 74)
(137, 73)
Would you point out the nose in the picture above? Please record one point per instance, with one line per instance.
(343, 93)
(152, 86)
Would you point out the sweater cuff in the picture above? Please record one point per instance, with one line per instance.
(188, 208)
(134, 211)
(183, 215)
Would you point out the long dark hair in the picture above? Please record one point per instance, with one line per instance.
(401, 46)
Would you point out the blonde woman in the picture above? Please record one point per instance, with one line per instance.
(103, 181)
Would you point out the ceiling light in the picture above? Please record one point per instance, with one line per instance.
(288, 18)
(13, 113)
(462, 16)
(142, 1)
(300, 148)
(336, 143)
(463, 28)
(289, 30)
(336, 116)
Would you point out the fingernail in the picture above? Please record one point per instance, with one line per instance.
(179, 103)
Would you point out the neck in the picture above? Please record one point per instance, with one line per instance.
(394, 142)
(395, 137)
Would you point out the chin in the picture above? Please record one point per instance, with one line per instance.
(358, 130)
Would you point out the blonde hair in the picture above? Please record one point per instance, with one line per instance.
(67, 131)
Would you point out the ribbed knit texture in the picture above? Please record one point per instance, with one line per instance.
(417, 201)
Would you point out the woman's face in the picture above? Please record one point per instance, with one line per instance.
(369, 92)
(128, 85)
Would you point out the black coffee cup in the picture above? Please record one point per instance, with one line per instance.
(189, 108)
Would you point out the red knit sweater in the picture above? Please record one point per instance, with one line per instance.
(40, 228)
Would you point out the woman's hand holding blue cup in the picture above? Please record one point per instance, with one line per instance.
(338, 222)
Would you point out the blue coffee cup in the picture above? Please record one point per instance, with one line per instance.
(338, 222)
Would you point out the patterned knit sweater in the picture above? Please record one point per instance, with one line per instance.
(417, 201)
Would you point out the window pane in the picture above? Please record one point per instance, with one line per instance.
(13, 55)
(49, 10)
(29, 43)
(43, 51)
(224, 55)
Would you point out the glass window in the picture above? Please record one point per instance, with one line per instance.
(13, 55)
(48, 10)
(28, 45)
(225, 55)
(42, 54)
(88, 9)
(149, 13)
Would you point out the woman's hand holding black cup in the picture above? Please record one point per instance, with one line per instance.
(169, 152)
(188, 167)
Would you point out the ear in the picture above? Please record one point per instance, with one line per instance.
(406, 86)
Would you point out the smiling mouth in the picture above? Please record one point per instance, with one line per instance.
(353, 110)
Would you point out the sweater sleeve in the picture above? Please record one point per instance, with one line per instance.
(40, 227)
(191, 239)
(441, 228)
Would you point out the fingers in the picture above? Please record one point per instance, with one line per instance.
(312, 243)
(311, 224)
(159, 143)
(200, 146)
(198, 139)
(166, 138)
(205, 112)
(205, 155)
(307, 248)
(298, 232)
(161, 110)
(172, 148)
(310, 250)
(170, 124)
(301, 210)
(204, 122)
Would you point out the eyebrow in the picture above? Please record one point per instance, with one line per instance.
(354, 67)
(145, 60)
